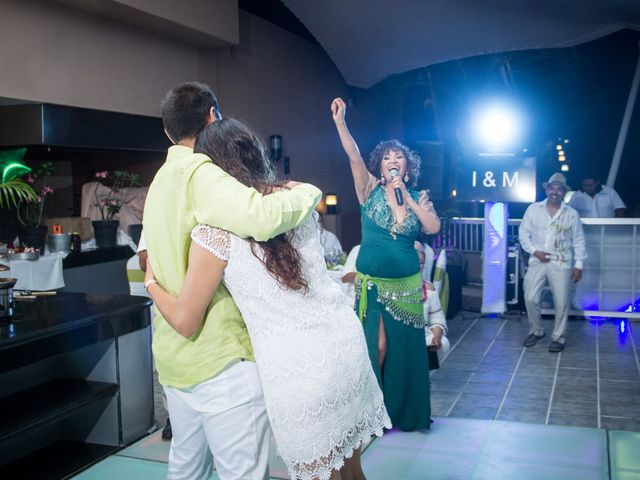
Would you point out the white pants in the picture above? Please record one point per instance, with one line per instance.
(225, 416)
(559, 279)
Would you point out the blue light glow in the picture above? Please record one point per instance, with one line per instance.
(497, 126)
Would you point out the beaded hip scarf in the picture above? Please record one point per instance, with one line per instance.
(402, 297)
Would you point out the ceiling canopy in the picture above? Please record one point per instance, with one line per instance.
(369, 40)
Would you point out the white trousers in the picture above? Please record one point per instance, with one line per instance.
(223, 420)
(559, 279)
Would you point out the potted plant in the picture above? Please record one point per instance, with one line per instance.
(14, 190)
(33, 233)
(110, 203)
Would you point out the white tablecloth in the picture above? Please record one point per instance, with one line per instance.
(42, 274)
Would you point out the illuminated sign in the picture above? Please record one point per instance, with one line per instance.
(494, 258)
(497, 178)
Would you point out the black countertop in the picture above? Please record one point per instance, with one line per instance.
(97, 255)
(66, 321)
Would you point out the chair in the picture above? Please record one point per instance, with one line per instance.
(441, 280)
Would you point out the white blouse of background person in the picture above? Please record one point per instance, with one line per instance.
(602, 205)
(328, 240)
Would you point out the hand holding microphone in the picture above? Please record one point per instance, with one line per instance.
(394, 173)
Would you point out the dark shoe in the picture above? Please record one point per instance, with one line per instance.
(532, 339)
(166, 431)
(556, 347)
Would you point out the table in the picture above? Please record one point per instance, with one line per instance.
(76, 379)
(42, 274)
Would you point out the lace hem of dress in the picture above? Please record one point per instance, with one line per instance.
(366, 427)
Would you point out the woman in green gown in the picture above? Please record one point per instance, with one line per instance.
(389, 297)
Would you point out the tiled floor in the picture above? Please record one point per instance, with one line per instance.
(500, 412)
(488, 374)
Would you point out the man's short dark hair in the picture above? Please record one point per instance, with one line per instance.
(185, 110)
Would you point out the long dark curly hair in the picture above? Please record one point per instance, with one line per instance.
(235, 148)
(413, 160)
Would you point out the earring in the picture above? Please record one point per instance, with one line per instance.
(406, 177)
(383, 181)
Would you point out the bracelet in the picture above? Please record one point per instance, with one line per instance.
(149, 282)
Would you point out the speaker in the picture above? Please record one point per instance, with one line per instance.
(418, 115)
(275, 147)
(432, 168)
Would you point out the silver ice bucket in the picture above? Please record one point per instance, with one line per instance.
(59, 242)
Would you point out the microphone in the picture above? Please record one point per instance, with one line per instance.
(394, 172)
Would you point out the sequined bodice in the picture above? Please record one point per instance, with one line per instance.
(379, 211)
(383, 252)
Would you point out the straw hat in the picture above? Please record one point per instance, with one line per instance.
(557, 179)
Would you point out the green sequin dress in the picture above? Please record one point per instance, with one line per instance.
(404, 379)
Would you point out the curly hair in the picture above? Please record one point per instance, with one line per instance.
(235, 148)
(413, 159)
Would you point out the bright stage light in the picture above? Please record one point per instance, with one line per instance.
(564, 168)
(497, 126)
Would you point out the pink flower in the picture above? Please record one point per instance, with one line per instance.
(31, 180)
(104, 174)
(46, 190)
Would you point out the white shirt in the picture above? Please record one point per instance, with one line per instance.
(142, 245)
(602, 205)
(557, 236)
(329, 241)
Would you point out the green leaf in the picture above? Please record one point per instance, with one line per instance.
(14, 192)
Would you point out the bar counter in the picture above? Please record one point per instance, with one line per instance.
(75, 381)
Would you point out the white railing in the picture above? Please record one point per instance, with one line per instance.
(610, 285)
(467, 234)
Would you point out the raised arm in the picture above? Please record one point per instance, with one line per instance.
(364, 181)
(224, 202)
(186, 312)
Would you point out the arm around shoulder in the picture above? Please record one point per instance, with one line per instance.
(224, 202)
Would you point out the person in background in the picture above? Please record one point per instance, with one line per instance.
(160, 412)
(551, 232)
(388, 280)
(211, 380)
(435, 320)
(328, 240)
(597, 200)
(349, 274)
(322, 396)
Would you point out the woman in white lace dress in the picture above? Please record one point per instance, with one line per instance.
(321, 394)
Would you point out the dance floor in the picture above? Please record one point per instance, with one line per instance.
(500, 411)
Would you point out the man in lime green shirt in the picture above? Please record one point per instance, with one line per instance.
(213, 389)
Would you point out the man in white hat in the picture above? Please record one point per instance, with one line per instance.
(552, 234)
